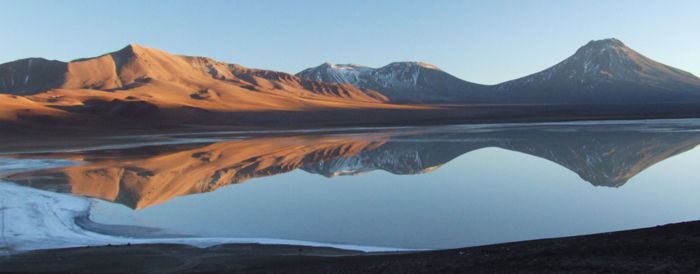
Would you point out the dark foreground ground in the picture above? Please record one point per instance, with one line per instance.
(673, 248)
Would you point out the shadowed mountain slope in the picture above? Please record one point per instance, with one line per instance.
(135, 66)
(143, 86)
(605, 71)
(600, 72)
(402, 82)
(138, 88)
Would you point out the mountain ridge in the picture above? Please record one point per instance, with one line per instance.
(142, 88)
(602, 71)
(399, 81)
(133, 66)
(608, 69)
(139, 87)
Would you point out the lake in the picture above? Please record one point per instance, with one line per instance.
(363, 188)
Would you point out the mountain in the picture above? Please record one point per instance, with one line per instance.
(141, 89)
(605, 71)
(401, 82)
(31, 76)
(600, 72)
(143, 86)
(135, 66)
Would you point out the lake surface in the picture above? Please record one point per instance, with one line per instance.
(414, 188)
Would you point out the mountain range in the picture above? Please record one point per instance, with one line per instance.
(134, 66)
(139, 87)
(401, 82)
(600, 72)
(149, 87)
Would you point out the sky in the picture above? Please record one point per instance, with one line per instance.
(485, 42)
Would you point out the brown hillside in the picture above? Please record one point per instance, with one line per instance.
(143, 86)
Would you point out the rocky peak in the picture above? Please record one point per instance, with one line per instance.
(27, 76)
(602, 44)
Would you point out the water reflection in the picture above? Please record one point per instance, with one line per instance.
(604, 155)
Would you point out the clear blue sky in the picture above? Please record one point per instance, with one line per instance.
(479, 41)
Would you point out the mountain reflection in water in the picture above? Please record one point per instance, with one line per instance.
(602, 154)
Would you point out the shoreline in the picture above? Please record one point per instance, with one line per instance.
(43, 220)
(43, 144)
(667, 248)
(429, 115)
(662, 249)
(79, 223)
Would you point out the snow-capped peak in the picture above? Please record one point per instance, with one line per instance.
(398, 81)
(394, 76)
(344, 66)
(411, 64)
(598, 62)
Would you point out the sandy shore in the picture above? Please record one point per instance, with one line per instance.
(673, 248)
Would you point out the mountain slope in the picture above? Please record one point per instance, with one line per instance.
(401, 82)
(143, 87)
(135, 66)
(600, 72)
(604, 71)
(29, 76)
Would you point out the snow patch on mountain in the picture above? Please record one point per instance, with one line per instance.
(399, 81)
(601, 63)
(595, 63)
(398, 74)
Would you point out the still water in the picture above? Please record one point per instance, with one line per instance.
(418, 188)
